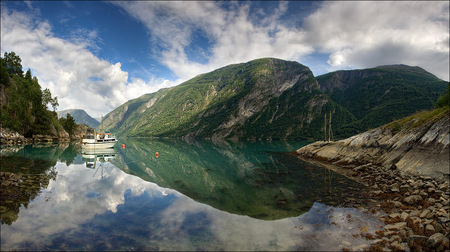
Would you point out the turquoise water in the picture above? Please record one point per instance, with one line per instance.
(197, 195)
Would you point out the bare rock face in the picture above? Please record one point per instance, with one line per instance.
(413, 145)
(8, 136)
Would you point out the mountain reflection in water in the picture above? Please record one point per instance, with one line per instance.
(246, 178)
(201, 196)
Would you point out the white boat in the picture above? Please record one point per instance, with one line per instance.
(98, 141)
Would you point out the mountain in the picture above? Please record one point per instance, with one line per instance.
(273, 98)
(80, 116)
(382, 94)
(264, 98)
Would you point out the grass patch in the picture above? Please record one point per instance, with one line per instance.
(418, 119)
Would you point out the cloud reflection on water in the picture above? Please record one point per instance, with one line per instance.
(123, 211)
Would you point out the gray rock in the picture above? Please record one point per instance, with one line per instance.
(438, 227)
(413, 199)
(414, 213)
(395, 238)
(396, 246)
(394, 215)
(397, 204)
(423, 194)
(395, 226)
(431, 190)
(361, 247)
(404, 215)
(430, 228)
(416, 239)
(405, 188)
(437, 239)
(424, 213)
(395, 188)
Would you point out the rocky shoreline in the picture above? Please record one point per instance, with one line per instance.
(9, 137)
(415, 208)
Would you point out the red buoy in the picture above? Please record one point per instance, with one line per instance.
(123, 146)
(157, 154)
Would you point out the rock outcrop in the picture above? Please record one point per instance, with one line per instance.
(8, 136)
(417, 145)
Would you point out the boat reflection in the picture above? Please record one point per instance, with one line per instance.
(91, 157)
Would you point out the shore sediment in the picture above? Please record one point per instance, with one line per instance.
(415, 208)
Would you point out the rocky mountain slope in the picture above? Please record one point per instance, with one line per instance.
(417, 145)
(380, 95)
(80, 116)
(265, 98)
(273, 98)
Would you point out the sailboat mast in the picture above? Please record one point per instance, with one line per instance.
(329, 129)
(325, 128)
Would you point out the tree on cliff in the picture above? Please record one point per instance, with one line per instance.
(68, 123)
(13, 63)
(23, 105)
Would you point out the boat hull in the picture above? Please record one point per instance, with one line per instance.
(97, 146)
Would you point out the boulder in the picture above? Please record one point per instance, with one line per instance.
(437, 241)
(413, 199)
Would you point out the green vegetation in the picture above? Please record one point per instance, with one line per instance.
(418, 119)
(271, 98)
(23, 102)
(444, 99)
(381, 95)
(265, 98)
(68, 123)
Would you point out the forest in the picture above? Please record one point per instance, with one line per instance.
(24, 105)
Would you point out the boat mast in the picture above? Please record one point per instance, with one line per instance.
(329, 129)
(325, 128)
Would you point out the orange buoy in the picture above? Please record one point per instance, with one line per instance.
(157, 154)
(123, 146)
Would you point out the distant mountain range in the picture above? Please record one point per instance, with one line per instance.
(80, 116)
(273, 98)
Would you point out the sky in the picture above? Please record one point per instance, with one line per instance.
(96, 55)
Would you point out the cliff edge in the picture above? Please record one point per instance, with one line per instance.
(416, 145)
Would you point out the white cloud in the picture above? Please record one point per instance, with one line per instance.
(72, 73)
(367, 34)
(353, 34)
(234, 36)
(80, 198)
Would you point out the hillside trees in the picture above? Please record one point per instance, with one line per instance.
(444, 99)
(68, 123)
(23, 103)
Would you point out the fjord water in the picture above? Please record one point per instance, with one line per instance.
(195, 195)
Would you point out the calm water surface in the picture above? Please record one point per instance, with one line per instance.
(197, 195)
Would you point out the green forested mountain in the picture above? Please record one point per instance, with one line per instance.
(379, 95)
(265, 98)
(80, 116)
(272, 98)
(24, 103)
